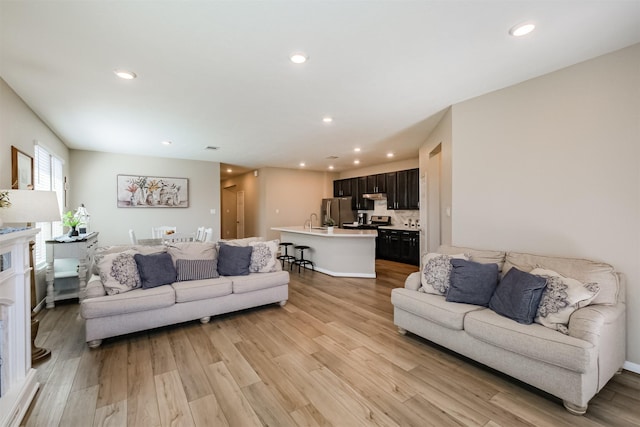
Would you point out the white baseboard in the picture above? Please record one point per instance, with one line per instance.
(633, 367)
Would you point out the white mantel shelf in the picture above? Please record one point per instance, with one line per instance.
(19, 383)
(343, 253)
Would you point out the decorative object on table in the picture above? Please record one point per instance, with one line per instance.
(4, 202)
(71, 220)
(136, 191)
(30, 206)
(85, 219)
(21, 170)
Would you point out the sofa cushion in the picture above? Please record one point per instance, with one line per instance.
(518, 295)
(119, 272)
(432, 307)
(134, 301)
(139, 249)
(436, 271)
(561, 298)
(478, 255)
(583, 270)
(264, 256)
(155, 269)
(234, 260)
(534, 341)
(241, 242)
(195, 290)
(472, 282)
(257, 281)
(192, 250)
(196, 269)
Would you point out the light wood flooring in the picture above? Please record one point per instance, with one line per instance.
(331, 356)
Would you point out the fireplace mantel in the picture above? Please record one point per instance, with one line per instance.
(17, 380)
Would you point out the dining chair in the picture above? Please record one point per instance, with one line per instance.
(162, 231)
(132, 237)
(208, 235)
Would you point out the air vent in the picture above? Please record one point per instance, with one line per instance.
(211, 147)
(332, 157)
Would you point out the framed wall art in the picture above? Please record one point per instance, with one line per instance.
(139, 191)
(21, 170)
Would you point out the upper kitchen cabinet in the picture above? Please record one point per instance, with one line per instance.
(342, 187)
(403, 191)
(376, 183)
(360, 203)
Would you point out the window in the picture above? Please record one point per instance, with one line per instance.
(47, 176)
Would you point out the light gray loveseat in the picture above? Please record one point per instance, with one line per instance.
(141, 309)
(573, 367)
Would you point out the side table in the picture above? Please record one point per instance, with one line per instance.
(82, 248)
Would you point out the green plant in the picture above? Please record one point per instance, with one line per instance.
(70, 220)
(329, 222)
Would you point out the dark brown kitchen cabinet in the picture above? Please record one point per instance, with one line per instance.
(342, 187)
(403, 190)
(376, 183)
(398, 245)
(360, 189)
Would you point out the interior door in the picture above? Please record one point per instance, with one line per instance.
(240, 214)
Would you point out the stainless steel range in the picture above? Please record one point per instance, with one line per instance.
(376, 221)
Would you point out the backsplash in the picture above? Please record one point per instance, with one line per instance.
(398, 217)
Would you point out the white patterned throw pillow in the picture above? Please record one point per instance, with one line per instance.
(264, 257)
(561, 298)
(119, 272)
(436, 272)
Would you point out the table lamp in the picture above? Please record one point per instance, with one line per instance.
(30, 206)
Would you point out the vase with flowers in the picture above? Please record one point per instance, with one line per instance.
(71, 220)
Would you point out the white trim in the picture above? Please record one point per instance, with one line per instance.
(633, 367)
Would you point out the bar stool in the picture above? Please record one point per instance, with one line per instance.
(286, 257)
(301, 262)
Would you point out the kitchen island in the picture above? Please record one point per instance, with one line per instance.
(341, 253)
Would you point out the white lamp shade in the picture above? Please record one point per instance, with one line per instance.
(31, 206)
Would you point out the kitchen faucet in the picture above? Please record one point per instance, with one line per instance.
(311, 219)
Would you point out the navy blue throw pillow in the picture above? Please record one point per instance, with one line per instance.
(518, 295)
(155, 269)
(472, 282)
(234, 260)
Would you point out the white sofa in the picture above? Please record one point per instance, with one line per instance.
(141, 309)
(573, 367)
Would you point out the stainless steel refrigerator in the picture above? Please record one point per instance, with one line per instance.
(339, 209)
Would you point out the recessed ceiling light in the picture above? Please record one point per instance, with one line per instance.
(124, 74)
(389, 154)
(327, 119)
(331, 167)
(302, 164)
(298, 58)
(357, 149)
(356, 162)
(166, 143)
(229, 170)
(522, 29)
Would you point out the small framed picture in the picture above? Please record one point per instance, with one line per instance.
(21, 170)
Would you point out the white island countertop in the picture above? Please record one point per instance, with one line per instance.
(323, 232)
(342, 253)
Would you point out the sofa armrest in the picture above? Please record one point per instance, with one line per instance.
(588, 323)
(413, 281)
(94, 288)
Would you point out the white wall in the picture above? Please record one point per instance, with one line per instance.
(289, 197)
(552, 166)
(22, 128)
(94, 184)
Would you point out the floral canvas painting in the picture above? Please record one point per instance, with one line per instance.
(135, 191)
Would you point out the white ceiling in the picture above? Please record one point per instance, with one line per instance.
(217, 73)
